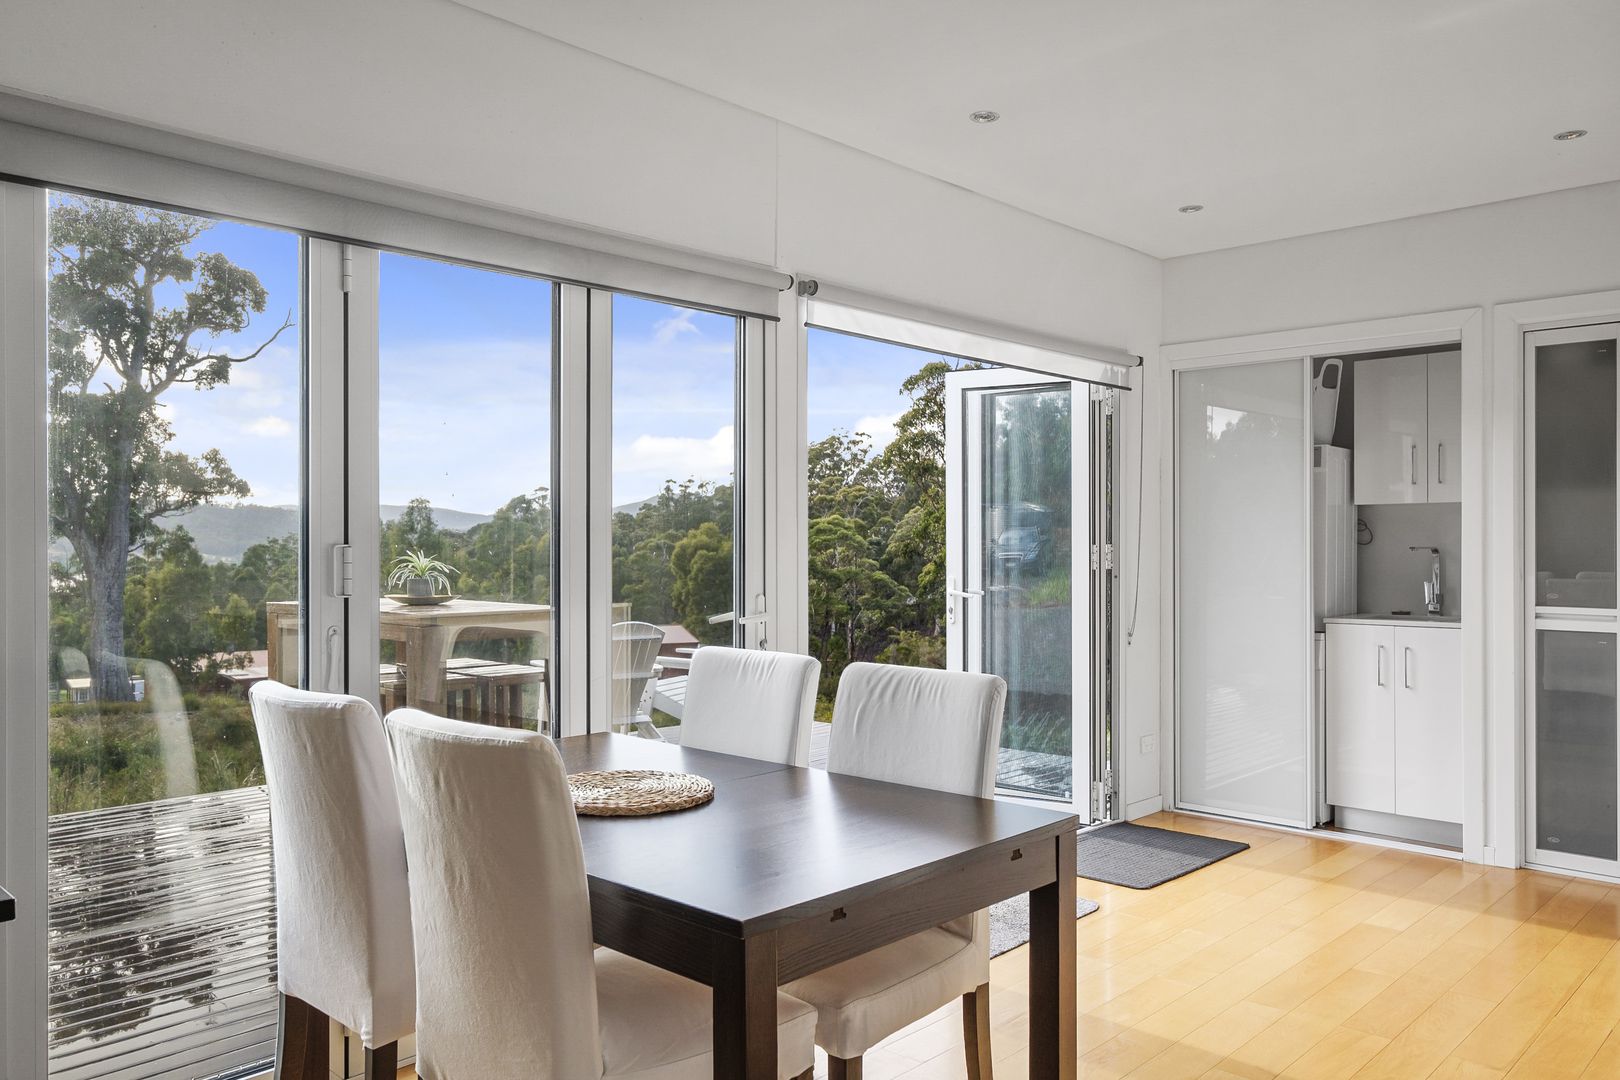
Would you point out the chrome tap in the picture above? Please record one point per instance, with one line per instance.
(1431, 588)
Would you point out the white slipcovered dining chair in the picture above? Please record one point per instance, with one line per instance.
(932, 729)
(509, 983)
(343, 916)
(751, 703)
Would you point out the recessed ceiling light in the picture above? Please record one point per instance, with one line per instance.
(1190, 208)
(1572, 133)
(984, 116)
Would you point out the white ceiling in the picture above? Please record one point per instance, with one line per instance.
(1282, 117)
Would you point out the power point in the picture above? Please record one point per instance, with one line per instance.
(1150, 743)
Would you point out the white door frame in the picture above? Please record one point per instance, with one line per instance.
(1483, 827)
(1512, 644)
(964, 600)
(24, 611)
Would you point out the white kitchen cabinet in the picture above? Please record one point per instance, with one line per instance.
(1392, 430)
(1428, 722)
(1394, 719)
(1445, 427)
(1408, 429)
(1360, 716)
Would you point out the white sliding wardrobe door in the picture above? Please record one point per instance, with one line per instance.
(1243, 610)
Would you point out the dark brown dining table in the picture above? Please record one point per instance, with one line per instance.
(790, 870)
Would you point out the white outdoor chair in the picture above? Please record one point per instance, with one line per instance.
(343, 922)
(634, 665)
(932, 729)
(751, 703)
(509, 983)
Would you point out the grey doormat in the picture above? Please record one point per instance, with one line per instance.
(1140, 856)
(1009, 921)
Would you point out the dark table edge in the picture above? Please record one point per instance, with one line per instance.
(787, 916)
(8, 906)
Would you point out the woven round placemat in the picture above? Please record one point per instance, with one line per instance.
(636, 792)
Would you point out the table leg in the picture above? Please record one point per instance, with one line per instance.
(426, 649)
(1052, 972)
(745, 1009)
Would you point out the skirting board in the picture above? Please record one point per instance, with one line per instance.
(1417, 830)
(1143, 807)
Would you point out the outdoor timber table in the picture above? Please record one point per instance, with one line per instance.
(790, 870)
(428, 634)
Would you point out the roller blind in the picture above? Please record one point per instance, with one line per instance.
(900, 323)
(49, 144)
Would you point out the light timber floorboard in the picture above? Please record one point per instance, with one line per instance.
(1310, 958)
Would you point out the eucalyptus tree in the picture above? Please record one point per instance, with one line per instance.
(134, 313)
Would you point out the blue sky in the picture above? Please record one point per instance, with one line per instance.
(466, 384)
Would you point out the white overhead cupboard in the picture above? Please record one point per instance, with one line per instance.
(1408, 429)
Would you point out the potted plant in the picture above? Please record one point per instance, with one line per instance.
(421, 575)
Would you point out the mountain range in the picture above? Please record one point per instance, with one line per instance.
(224, 532)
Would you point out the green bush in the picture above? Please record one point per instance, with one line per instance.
(111, 754)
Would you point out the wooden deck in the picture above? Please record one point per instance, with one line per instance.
(162, 939)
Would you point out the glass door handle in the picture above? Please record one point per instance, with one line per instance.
(740, 620)
(956, 594)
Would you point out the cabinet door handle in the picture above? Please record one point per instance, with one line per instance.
(1406, 667)
(1414, 464)
(1440, 463)
(1378, 667)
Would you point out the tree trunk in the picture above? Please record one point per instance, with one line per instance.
(109, 670)
(106, 569)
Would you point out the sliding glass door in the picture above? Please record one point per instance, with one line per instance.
(1244, 734)
(174, 400)
(1572, 754)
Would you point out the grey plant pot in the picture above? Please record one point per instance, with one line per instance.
(418, 586)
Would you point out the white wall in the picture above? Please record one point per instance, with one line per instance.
(1548, 245)
(1561, 244)
(434, 96)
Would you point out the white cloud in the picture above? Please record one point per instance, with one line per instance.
(667, 330)
(881, 429)
(642, 466)
(270, 427)
(680, 456)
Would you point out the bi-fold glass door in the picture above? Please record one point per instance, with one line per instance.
(464, 391)
(1244, 731)
(270, 456)
(679, 521)
(1029, 550)
(1572, 756)
(179, 350)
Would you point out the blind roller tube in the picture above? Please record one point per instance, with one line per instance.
(58, 146)
(900, 323)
